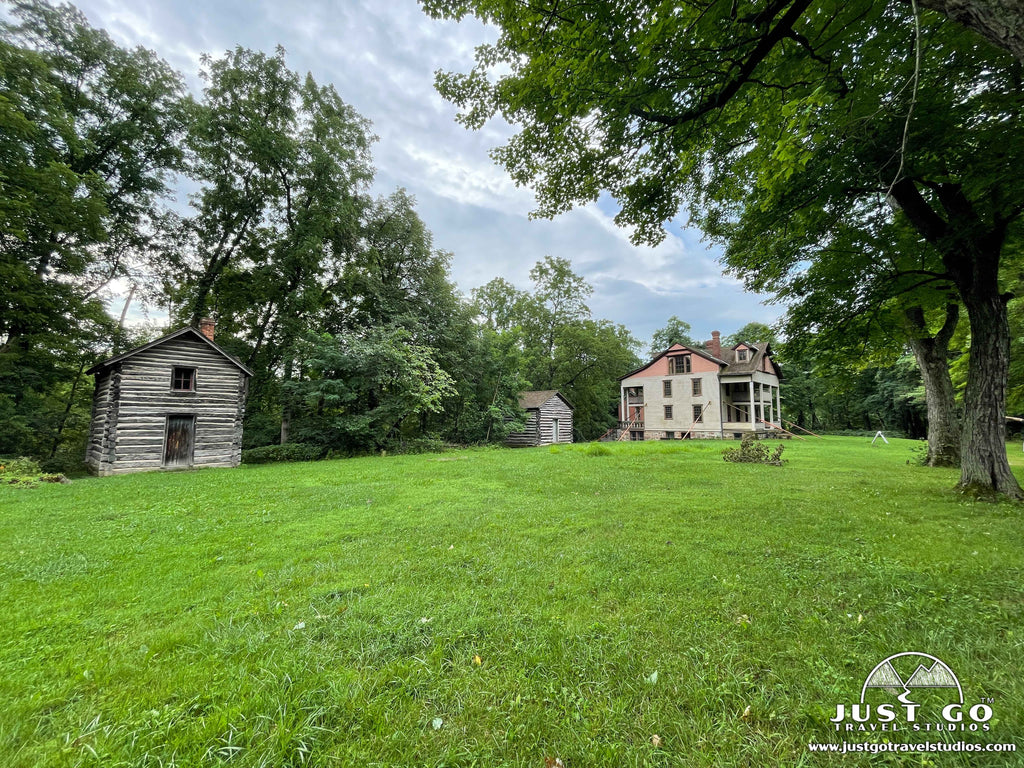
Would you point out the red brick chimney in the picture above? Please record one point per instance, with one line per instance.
(715, 345)
(206, 326)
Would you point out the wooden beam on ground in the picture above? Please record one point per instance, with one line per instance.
(800, 428)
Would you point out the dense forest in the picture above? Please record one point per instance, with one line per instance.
(336, 299)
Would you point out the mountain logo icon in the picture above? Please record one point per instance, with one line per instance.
(931, 672)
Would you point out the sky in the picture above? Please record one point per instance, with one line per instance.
(381, 56)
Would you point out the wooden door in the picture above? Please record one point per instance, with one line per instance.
(180, 440)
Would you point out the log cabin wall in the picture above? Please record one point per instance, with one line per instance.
(555, 409)
(541, 414)
(529, 437)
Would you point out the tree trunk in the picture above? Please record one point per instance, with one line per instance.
(932, 355)
(286, 424)
(984, 466)
(971, 251)
(286, 409)
(1001, 22)
(67, 410)
(943, 423)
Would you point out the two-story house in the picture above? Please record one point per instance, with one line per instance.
(174, 403)
(695, 393)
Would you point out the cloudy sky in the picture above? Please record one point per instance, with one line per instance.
(381, 55)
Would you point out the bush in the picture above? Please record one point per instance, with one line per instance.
(287, 452)
(20, 467)
(753, 451)
(415, 445)
(27, 472)
(67, 461)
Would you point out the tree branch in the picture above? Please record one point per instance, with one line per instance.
(718, 100)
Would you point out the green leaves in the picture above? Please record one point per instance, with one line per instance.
(361, 387)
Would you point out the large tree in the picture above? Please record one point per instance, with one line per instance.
(549, 339)
(89, 135)
(675, 331)
(283, 165)
(726, 106)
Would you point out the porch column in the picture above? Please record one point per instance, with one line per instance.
(778, 399)
(753, 424)
(771, 406)
(623, 413)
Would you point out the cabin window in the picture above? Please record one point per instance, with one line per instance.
(668, 413)
(667, 388)
(680, 364)
(741, 355)
(696, 387)
(183, 379)
(698, 414)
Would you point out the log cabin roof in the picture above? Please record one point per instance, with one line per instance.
(163, 339)
(537, 398)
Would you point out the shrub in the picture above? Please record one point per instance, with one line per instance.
(596, 449)
(287, 452)
(419, 445)
(753, 451)
(67, 461)
(26, 472)
(20, 467)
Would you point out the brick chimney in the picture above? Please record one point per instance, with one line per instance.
(715, 345)
(206, 326)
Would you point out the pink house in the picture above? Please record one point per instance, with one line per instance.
(697, 393)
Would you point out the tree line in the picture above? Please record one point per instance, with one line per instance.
(337, 300)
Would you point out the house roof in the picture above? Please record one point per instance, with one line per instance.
(674, 348)
(176, 334)
(753, 363)
(730, 365)
(536, 398)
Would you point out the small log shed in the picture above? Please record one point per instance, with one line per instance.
(174, 403)
(549, 419)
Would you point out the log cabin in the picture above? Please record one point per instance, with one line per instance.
(174, 403)
(548, 419)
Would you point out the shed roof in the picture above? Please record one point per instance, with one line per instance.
(163, 339)
(536, 398)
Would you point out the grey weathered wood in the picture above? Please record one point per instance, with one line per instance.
(539, 428)
(134, 398)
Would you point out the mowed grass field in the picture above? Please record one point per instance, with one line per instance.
(499, 607)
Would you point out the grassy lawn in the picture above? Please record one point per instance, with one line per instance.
(497, 607)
